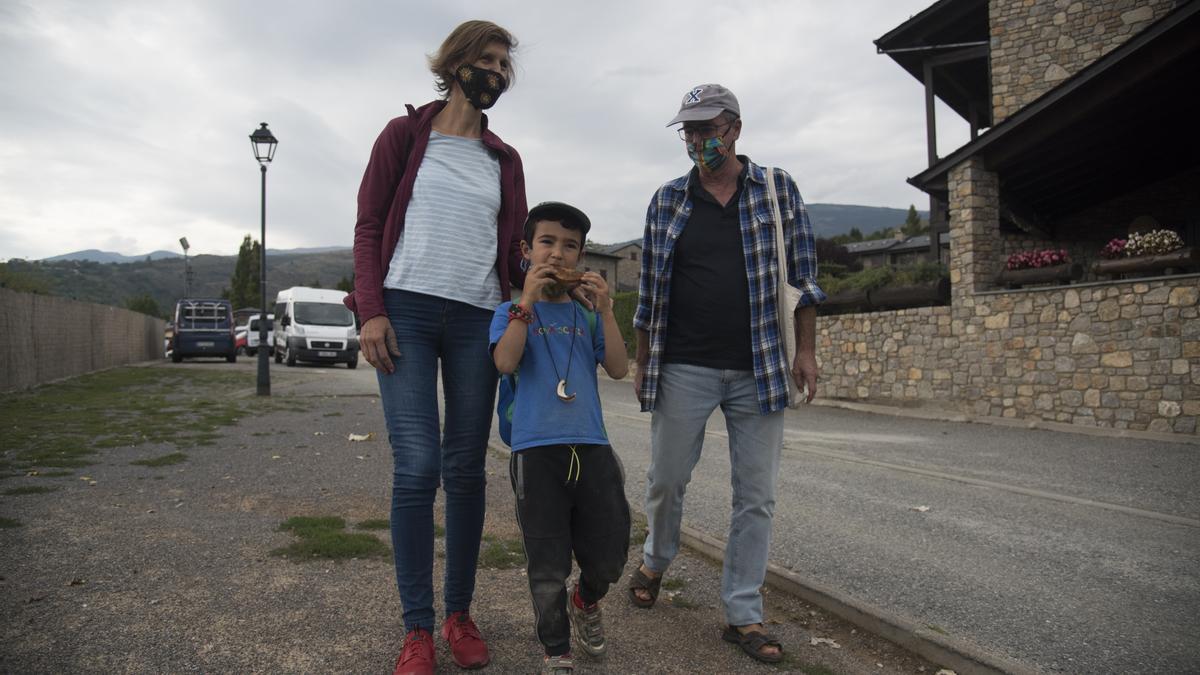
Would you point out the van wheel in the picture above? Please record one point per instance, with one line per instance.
(352, 364)
(176, 357)
(232, 358)
(291, 358)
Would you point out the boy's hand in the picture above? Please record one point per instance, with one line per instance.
(536, 280)
(596, 289)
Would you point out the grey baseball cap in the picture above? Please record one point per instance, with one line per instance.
(704, 102)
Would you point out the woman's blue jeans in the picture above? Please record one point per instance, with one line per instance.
(428, 330)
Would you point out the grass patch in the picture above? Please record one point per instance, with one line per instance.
(811, 668)
(638, 530)
(29, 490)
(673, 584)
(54, 474)
(332, 414)
(682, 602)
(438, 531)
(501, 554)
(9, 522)
(165, 460)
(375, 524)
(936, 628)
(64, 425)
(323, 537)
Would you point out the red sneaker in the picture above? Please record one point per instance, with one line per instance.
(417, 657)
(466, 644)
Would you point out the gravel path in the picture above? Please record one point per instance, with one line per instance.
(169, 569)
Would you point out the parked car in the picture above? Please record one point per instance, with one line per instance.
(239, 339)
(253, 334)
(315, 326)
(204, 327)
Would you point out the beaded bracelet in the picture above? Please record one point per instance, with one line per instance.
(520, 313)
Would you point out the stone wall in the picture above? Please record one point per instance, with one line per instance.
(47, 338)
(1036, 44)
(1122, 355)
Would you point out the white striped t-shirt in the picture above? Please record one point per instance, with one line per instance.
(448, 245)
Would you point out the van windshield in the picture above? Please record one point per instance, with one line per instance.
(323, 314)
(254, 325)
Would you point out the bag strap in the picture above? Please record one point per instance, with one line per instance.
(781, 285)
(780, 245)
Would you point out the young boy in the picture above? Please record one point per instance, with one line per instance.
(568, 482)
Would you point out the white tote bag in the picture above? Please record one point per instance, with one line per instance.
(786, 298)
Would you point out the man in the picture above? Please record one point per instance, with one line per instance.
(708, 336)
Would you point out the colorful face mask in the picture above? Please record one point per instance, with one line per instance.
(711, 155)
(481, 86)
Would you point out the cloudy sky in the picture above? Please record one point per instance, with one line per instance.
(123, 125)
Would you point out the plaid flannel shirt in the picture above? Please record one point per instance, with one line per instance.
(666, 217)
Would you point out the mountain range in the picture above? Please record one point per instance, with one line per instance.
(113, 279)
(828, 220)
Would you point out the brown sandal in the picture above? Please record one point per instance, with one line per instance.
(753, 642)
(639, 581)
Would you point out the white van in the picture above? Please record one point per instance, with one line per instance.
(252, 332)
(312, 324)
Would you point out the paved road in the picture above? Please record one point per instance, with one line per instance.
(1066, 552)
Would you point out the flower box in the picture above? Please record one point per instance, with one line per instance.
(1053, 274)
(1187, 257)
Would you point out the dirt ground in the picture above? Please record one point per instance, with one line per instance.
(126, 568)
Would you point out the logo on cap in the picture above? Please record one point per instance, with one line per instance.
(692, 96)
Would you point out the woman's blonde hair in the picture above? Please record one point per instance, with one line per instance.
(465, 44)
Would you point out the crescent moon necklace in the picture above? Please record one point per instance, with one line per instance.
(561, 391)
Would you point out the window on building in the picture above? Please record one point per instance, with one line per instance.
(633, 255)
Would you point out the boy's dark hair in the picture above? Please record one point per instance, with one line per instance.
(570, 217)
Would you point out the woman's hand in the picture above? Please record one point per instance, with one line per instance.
(377, 341)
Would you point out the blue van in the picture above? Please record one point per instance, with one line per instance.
(203, 328)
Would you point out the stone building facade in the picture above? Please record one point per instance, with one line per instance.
(1036, 44)
(1120, 354)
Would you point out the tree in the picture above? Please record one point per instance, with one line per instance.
(18, 275)
(244, 288)
(145, 304)
(913, 225)
(315, 283)
(346, 285)
(855, 234)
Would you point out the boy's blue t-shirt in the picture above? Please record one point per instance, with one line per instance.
(539, 416)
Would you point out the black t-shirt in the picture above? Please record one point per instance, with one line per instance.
(708, 318)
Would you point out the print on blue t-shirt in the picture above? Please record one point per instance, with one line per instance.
(539, 416)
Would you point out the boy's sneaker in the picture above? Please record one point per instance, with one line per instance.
(417, 657)
(587, 625)
(558, 665)
(466, 644)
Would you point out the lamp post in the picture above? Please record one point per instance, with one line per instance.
(263, 142)
(187, 271)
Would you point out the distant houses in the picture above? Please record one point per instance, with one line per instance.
(897, 251)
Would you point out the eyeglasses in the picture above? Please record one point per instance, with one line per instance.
(701, 133)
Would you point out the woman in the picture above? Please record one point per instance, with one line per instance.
(436, 249)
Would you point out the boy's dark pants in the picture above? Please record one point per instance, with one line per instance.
(567, 505)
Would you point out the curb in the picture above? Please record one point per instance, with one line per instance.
(962, 656)
(939, 415)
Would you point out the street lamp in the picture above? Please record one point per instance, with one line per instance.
(187, 271)
(263, 142)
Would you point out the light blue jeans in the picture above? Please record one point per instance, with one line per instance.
(687, 396)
